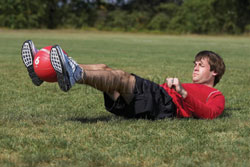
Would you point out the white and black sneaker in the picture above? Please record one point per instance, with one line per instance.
(67, 70)
(28, 52)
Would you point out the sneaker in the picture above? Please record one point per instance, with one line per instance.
(28, 52)
(67, 70)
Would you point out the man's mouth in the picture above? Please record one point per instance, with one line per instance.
(194, 74)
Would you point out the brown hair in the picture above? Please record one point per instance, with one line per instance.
(215, 61)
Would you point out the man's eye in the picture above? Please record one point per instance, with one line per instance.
(201, 65)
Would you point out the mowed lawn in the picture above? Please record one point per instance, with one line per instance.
(43, 126)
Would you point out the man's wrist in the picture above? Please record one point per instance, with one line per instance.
(184, 93)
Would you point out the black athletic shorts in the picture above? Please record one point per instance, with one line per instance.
(150, 101)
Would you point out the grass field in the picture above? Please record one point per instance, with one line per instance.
(43, 126)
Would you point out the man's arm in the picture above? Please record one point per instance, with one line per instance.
(209, 110)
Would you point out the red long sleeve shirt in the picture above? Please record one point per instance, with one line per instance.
(201, 102)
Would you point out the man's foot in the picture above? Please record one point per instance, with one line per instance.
(67, 70)
(28, 52)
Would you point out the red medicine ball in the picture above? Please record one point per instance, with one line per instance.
(42, 65)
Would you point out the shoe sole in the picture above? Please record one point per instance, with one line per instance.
(59, 64)
(28, 57)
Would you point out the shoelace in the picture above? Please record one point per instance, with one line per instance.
(73, 64)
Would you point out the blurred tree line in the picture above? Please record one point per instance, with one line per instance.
(172, 16)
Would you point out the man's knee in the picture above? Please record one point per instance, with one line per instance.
(120, 73)
(126, 80)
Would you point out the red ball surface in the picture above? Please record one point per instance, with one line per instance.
(42, 65)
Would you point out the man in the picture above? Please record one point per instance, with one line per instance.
(130, 96)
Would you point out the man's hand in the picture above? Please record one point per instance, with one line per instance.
(176, 84)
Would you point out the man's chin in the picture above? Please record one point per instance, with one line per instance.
(195, 81)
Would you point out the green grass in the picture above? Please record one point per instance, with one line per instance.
(43, 126)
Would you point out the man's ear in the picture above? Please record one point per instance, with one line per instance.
(214, 73)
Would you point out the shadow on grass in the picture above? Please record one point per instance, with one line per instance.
(227, 112)
(92, 120)
(224, 115)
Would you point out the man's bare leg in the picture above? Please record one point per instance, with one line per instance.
(99, 76)
(95, 67)
(114, 82)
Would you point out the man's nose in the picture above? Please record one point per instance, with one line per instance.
(196, 68)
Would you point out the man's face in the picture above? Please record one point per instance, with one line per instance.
(202, 73)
